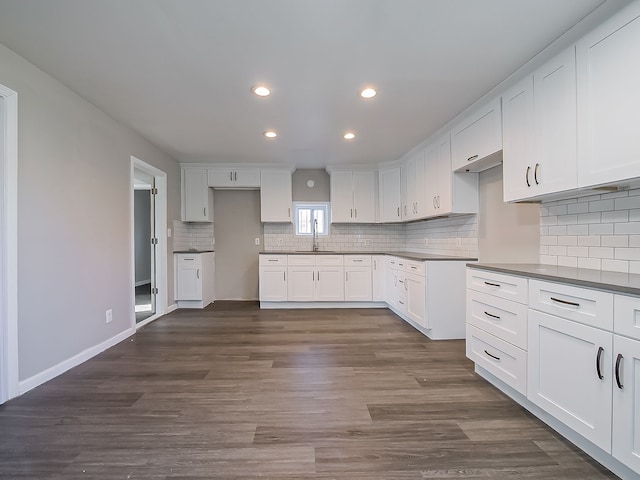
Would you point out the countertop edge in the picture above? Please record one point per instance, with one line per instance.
(407, 255)
(616, 282)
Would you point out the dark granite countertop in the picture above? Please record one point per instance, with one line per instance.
(627, 283)
(407, 255)
(193, 251)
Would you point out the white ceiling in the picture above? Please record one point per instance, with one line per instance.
(180, 71)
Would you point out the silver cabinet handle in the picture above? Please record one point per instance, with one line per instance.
(398, 211)
(189, 259)
(357, 260)
(526, 176)
(473, 157)
(492, 356)
(355, 210)
(346, 276)
(289, 212)
(491, 315)
(318, 276)
(231, 176)
(351, 213)
(272, 260)
(235, 176)
(284, 276)
(535, 174)
(204, 212)
(198, 273)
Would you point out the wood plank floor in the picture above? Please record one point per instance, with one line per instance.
(233, 392)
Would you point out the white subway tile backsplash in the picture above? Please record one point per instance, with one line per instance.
(605, 236)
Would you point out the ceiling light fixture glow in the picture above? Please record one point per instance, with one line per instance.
(270, 134)
(261, 91)
(349, 136)
(368, 93)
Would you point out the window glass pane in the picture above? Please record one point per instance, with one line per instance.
(306, 215)
(319, 216)
(304, 220)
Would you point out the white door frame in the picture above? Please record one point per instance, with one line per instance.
(9, 247)
(161, 248)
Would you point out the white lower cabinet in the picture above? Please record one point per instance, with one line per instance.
(415, 298)
(569, 374)
(581, 364)
(301, 286)
(329, 283)
(378, 278)
(273, 278)
(315, 278)
(626, 402)
(194, 274)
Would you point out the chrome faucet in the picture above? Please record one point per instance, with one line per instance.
(315, 235)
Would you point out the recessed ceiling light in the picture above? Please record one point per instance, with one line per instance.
(349, 136)
(261, 90)
(270, 134)
(368, 93)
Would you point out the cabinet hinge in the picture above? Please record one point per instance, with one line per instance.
(154, 241)
(154, 191)
(154, 290)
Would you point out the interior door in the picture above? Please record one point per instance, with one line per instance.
(154, 245)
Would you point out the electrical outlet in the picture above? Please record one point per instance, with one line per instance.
(168, 233)
(108, 316)
(458, 242)
(279, 241)
(257, 240)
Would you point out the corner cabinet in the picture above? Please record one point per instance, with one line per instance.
(353, 196)
(197, 197)
(390, 194)
(275, 196)
(608, 67)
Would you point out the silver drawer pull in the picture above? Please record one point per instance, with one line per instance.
(491, 315)
(414, 267)
(358, 260)
(492, 284)
(565, 302)
(492, 356)
(273, 260)
(473, 157)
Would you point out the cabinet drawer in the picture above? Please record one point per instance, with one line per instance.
(505, 361)
(626, 316)
(301, 259)
(330, 260)
(412, 266)
(591, 307)
(392, 263)
(188, 260)
(505, 319)
(357, 260)
(273, 260)
(498, 284)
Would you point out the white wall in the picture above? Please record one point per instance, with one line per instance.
(74, 254)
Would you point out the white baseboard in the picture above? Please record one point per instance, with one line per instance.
(25, 385)
(172, 308)
(143, 282)
(294, 305)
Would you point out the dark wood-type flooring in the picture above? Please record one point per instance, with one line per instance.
(233, 392)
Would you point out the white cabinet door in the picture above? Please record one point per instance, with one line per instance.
(301, 283)
(273, 284)
(570, 376)
(275, 196)
(477, 138)
(220, 177)
(189, 281)
(518, 133)
(364, 196)
(416, 294)
(379, 278)
(432, 177)
(341, 197)
(413, 174)
(329, 284)
(626, 402)
(234, 178)
(608, 67)
(555, 137)
(390, 194)
(357, 284)
(391, 283)
(197, 200)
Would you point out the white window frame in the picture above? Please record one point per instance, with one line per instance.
(323, 206)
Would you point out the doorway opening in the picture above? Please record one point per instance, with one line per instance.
(8, 244)
(149, 226)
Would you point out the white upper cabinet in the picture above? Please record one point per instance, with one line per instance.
(539, 131)
(275, 196)
(476, 141)
(197, 197)
(608, 66)
(390, 194)
(353, 196)
(234, 178)
(447, 192)
(414, 183)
